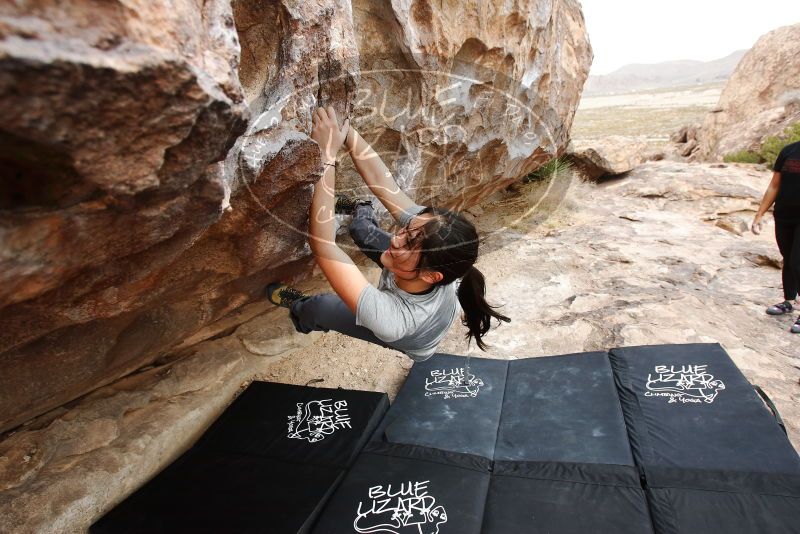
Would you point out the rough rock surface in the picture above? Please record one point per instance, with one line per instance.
(760, 99)
(158, 172)
(685, 142)
(638, 260)
(614, 154)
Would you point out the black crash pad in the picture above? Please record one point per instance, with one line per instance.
(405, 489)
(565, 498)
(210, 492)
(689, 406)
(319, 426)
(436, 408)
(564, 409)
(266, 465)
(559, 408)
(712, 502)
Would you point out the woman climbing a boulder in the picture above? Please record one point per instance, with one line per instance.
(784, 191)
(428, 273)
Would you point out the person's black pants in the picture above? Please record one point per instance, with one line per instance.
(787, 234)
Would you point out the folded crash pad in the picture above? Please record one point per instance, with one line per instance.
(211, 491)
(266, 465)
(689, 406)
(565, 498)
(713, 457)
(302, 424)
(559, 408)
(398, 488)
(701, 501)
(440, 407)
(562, 408)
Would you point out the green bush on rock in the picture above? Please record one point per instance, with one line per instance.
(769, 149)
(743, 156)
(774, 144)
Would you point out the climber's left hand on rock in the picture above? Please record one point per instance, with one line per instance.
(326, 132)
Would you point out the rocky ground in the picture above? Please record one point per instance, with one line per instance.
(661, 255)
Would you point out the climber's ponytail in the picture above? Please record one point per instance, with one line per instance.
(449, 245)
(477, 312)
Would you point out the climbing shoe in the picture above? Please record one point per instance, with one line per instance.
(283, 295)
(344, 204)
(780, 309)
(796, 327)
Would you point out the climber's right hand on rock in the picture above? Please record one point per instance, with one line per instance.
(756, 226)
(326, 132)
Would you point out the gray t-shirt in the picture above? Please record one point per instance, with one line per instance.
(414, 324)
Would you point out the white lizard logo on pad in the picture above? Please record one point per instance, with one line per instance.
(317, 419)
(683, 383)
(407, 509)
(452, 384)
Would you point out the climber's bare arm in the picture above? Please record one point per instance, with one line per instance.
(766, 202)
(344, 277)
(376, 175)
(770, 194)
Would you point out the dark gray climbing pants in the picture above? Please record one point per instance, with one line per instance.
(329, 312)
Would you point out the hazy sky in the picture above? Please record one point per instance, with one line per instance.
(650, 31)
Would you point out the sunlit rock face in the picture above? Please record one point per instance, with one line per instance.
(761, 98)
(156, 167)
(465, 97)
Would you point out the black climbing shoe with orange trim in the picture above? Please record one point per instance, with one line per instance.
(283, 295)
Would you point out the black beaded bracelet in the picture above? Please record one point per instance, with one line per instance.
(330, 164)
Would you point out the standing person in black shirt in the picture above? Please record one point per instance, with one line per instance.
(784, 191)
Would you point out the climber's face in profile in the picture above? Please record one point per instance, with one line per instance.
(403, 254)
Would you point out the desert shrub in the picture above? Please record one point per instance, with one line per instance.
(769, 150)
(743, 156)
(551, 168)
(774, 144)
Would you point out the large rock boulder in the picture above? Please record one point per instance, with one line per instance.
(761, 98)
(684, 142)
(612, 155)
(157, 170)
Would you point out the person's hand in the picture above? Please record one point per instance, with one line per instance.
(326, 132)
(757, 225)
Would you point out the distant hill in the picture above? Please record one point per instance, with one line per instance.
(638, 76)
